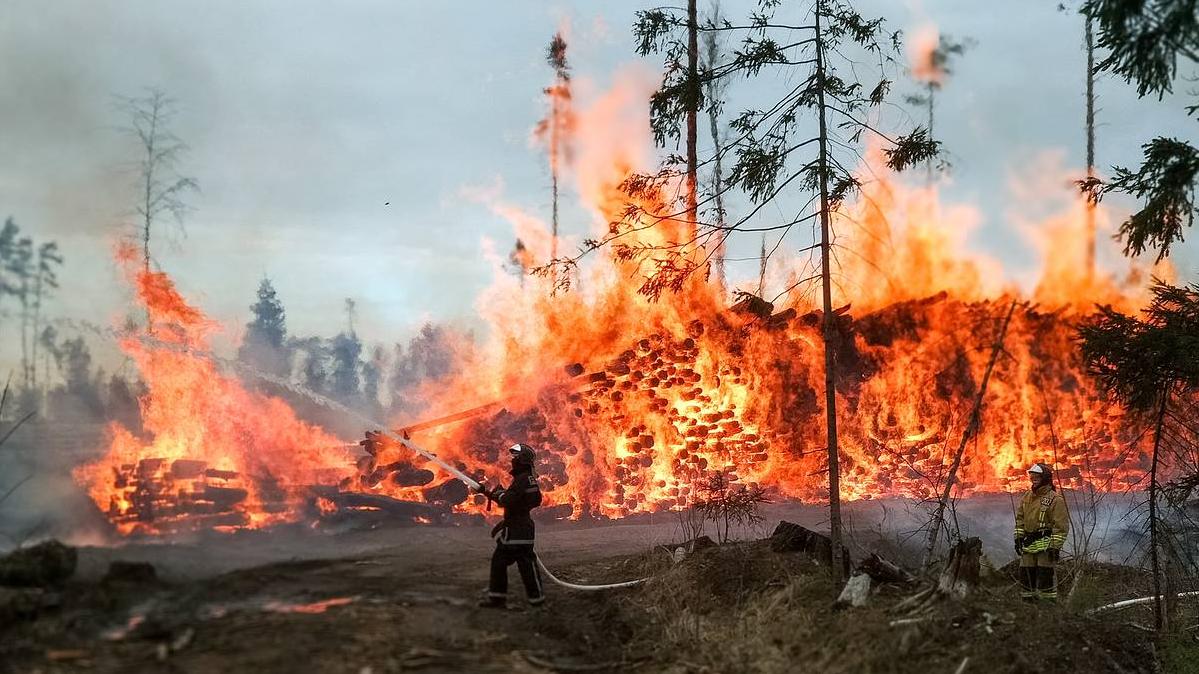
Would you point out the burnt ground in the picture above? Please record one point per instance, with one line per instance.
(382, 601)
(403, 600)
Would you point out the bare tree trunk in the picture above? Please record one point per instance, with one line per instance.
(713, 92)
(25, 332)
(1153, 553)
(148, 186)
(762, 268)
(692, 113)
(971, 428)
(555, 111)
(830, 356)
(37, 316)
(929, 164)
(1090, 254)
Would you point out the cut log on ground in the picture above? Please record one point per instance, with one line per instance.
(789, 537)
(882, 571)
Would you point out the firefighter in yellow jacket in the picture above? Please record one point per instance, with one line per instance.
(1042, 524)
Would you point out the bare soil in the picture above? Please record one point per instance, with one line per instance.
(404, 600)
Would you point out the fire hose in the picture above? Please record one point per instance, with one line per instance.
(473, 484)
(340, 407)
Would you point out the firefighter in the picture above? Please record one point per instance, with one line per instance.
(514, 534)
(1042, 524)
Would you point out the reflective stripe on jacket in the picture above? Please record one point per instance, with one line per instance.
(1042, 518)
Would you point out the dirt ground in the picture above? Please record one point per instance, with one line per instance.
(403, 599)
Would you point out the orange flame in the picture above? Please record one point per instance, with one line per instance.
(634, 405)
(215, 450)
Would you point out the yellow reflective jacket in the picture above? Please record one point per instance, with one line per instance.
(1043, 518)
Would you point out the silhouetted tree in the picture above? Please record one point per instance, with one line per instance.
(265, 344)
(430, 357)
(1144, 41)
(346, 351)
(161, 189)
(44, 283)
(1146, 363)
(556, 128)
(21, 272)
(936, 70)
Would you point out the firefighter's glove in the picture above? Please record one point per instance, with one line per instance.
(1019, 548)
(1054, 555)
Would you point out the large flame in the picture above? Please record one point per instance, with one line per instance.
(212, 449)
(634, 405)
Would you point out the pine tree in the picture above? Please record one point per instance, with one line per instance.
(766, 145)
(346, 351)
(44, 283)
(556, 129)
(1144, 42)
(264, 346)
(1148, 363)
(21, 271)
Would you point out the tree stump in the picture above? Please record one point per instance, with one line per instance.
(856, 592)
(960, 575)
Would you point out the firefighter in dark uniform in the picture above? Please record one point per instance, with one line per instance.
(515, 533)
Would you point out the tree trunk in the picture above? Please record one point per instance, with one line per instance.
(1153, 552)
(971, 429)
(717, 179)
(1090, 254)
(37, 317)
(762, 268)
(25, 332)
(692, 112)
(555, 122)
(830, 357)
(931, 90)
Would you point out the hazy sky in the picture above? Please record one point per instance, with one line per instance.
(304, 118)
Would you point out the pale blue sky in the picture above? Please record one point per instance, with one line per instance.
(305, 117)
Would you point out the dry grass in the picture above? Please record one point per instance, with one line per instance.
(743, 608)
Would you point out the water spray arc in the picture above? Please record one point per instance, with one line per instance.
(246, 370)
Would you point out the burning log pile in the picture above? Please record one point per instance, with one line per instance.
(672, 409)
(186, 493)
(663, 407)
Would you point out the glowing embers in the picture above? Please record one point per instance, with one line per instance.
(161, 494)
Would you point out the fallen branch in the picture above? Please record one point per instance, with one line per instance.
(1133, 602)
(907, 621)
(572, 667)
(962, 667)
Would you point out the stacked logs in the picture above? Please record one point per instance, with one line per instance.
(676, 432)
(164, 496)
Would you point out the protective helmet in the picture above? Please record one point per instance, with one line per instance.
(1041, 469)
(522, 455)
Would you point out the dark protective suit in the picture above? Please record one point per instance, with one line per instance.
(514, 537)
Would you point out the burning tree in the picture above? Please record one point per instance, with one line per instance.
(765, 147)
(161, 189)
(930, 67)
(556, 130)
